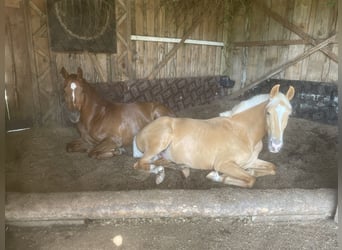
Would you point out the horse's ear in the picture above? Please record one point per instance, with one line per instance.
(290, 93)
(64, 73)
(274, 90)
(79, 73)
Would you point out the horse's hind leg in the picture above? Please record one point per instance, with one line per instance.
(233, 174)
(149, 163)
(151, 159)
(151, 144)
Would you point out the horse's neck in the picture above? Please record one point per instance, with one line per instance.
(254, 121)
(92, 101)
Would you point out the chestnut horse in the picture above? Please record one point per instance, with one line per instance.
(104, 127)
(228, 145)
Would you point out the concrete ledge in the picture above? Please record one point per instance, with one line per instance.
(284, 204)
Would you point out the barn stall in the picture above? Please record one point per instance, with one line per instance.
(197, 57)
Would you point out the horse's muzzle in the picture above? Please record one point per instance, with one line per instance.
(74, 116)
(274, 145)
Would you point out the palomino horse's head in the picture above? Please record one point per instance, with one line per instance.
(73, 93)
(277, 115)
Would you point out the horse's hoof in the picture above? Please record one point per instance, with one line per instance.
(214, 176)
(136, 165)
(160, 177)
(118, 151)
(186, 172)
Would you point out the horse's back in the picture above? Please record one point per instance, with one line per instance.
(193, 142)
(188, 130)
(151, 110)
(162, 110)
(155, 132)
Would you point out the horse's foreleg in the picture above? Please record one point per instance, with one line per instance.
(77, 145)
(261, 168)
(106, 149)
(233, 174)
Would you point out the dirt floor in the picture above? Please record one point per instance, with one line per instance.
(37, 161)
(181, 233)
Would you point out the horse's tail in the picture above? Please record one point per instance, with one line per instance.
(161, 110)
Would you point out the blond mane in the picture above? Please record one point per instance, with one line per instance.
(247, 104)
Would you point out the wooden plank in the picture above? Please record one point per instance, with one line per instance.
(151, 47)
(179, 55)
(274, 38)
(138, 46)
(33, 69)
(130, 70)
(55, 77)
(203, 64)
(200, 48)
(161, 32)
(212, 26)
(310, 30)
(219, 37)
(284, 66)
(187, 49)
(315, 66)
(234, 64)
(139, 17)
(299, 18)
(258, 30)
(194, 49)
(333, 69)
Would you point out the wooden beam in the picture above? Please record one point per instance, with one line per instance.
(175, 48)
(284, 66)
(175, 40)
(273, 43)
(295, 29)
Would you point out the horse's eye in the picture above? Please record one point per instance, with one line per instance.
(268, 113)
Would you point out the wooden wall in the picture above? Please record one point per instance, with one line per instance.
(256, 40)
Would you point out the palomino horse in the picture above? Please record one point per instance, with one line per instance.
(228, 145)
(105, 127)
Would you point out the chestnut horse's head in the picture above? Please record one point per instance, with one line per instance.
(73, 93)
(277, 115)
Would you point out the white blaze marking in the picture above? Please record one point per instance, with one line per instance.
(280, 111)
(73, 86)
